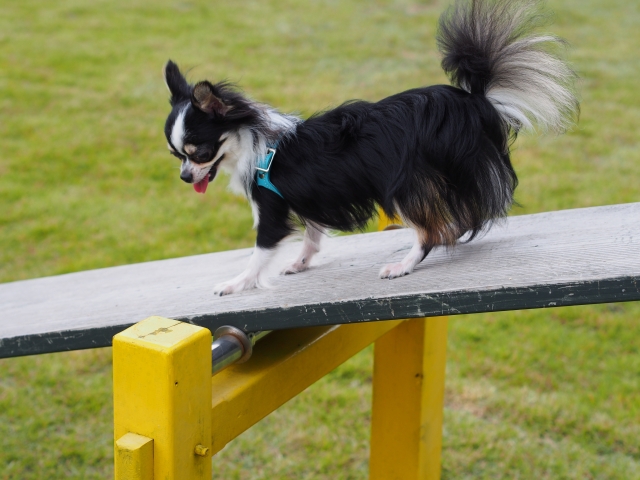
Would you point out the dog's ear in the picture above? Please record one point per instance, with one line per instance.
(176, 83)
(205, 98)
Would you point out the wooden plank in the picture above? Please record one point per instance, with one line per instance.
(569, 257)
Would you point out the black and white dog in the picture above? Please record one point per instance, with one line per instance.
(437, 157)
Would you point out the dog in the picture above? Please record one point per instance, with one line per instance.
(436, 156)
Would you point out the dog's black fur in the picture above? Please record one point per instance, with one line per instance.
(436, 149)
(438, 156)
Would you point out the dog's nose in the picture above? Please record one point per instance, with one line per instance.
(186, 176)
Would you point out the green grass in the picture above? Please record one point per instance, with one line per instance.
(86, 182)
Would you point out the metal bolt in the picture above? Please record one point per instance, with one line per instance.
(201, 451)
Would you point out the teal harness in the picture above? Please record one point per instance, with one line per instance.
(263, 168)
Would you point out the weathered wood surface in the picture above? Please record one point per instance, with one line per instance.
(569, 257)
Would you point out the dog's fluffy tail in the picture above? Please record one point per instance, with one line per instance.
(489, 49)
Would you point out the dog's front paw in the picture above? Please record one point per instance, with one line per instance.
(394, 270)
(295, 267)
(224, 288)
(236, 285)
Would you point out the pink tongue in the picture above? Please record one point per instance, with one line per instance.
(201, 186)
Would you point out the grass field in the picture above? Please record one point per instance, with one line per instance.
(86, 182)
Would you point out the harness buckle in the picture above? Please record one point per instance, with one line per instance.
(271, 152)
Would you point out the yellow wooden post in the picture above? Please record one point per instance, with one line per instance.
(408, 399)
(283, 365)
(162, 391)
(385, 222)
(134, 457)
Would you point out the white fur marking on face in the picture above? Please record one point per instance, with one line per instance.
(190, 149)
(197, 171)
(226, 146)
(178, 130)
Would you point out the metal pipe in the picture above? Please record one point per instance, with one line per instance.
(232, 345)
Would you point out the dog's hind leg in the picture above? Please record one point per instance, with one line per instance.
(310, 246)
(421, 248)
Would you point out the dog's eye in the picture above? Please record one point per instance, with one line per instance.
(202, 157)
(176, 154)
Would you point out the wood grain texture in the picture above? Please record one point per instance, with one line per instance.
(569, 257)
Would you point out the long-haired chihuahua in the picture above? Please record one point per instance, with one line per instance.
(437, 156)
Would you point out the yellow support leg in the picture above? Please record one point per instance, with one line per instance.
(134, 457)
(408, 401)
(162, 391)
(283, 365)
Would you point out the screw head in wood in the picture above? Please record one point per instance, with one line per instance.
(201, 451)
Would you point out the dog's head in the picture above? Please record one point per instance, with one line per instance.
(203, 127)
